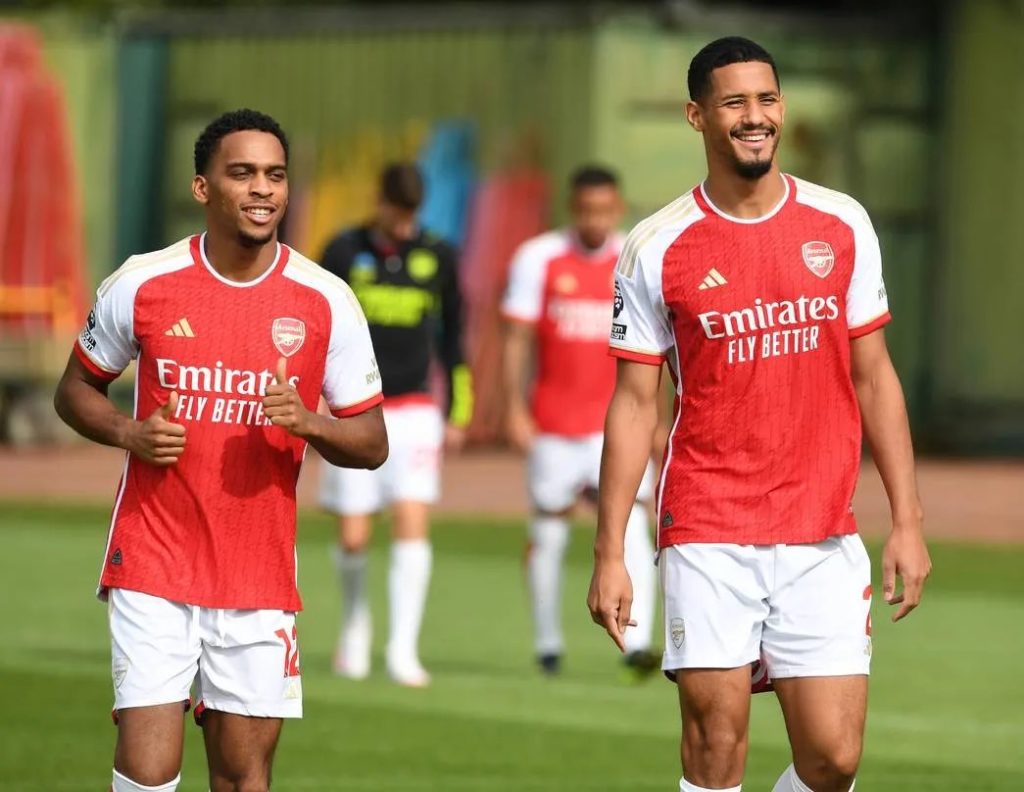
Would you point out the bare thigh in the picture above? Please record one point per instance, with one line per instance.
(149, 743)
(239, 750)
(411, 520)
(354, 532)
(825, 718)
(715, 708)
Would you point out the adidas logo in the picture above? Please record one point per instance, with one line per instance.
(182, 329)
(713, 279)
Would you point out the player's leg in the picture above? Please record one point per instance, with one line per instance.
(715, 604)
(249, 679)
(155, 652)
(825, 720)
(817, 646)
(413, 487)
(239, 751)
(556, 474)
(353, 495)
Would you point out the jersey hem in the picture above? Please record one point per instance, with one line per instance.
(293, 603)
(409, 400)
(683, 536)
(870, 327)
(93, 367)
(519, 318)
(649, 358)
(358, 407)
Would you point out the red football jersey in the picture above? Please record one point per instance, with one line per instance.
(755, 319)
(217, 529)
(566, 293)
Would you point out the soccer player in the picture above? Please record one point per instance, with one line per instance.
(764, 295)
(236, 337)
(558, 306)
(406, 281)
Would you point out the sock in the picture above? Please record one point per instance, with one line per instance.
(408, 580)
(789, 781)
(355, 637)
(124, 784)
(686, 786)
(639, 557)
(548, 539)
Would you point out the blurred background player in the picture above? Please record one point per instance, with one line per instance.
(406, 281)
(237, 337)
(558, 305)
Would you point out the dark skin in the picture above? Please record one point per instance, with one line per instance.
(740, 119)
(245, 193)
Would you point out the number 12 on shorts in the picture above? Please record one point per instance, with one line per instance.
(291, 651)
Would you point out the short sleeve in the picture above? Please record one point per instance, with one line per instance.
(641, 330)
(107, 343)
(524, 294)
(867, 306)
(351, 377)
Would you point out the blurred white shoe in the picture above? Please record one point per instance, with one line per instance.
(408, 673)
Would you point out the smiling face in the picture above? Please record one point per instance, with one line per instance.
(245, 187)
(741, 118)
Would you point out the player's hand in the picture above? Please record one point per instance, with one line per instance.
(520, 429)
(158, 440)
(283, 406)
(454, 438)
(610, 599)
(905, 556)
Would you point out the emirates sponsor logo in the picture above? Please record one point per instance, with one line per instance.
(765, 316)
(580, 320)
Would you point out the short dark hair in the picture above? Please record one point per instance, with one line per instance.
(592, 176)
(724, 52)
(234, 121)
(401, 184)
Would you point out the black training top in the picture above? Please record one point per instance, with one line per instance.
(410, 295)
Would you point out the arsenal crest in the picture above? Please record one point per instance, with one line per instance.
(818, 257)
(288, 335)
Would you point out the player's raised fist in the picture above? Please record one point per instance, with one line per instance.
(158, 440)
(282, 404)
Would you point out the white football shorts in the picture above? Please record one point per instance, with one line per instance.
(803, 609)
(560, 469)
(412, 471)
(245, 662)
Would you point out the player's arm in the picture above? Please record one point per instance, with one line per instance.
(82, 403)
(629, 426)
(459, 381)
(887, 430)
(352, 438)
(515, 362)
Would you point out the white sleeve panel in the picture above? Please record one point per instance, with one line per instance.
(640, 322)
(108, 338)
(866, 300)
(524, 294)
(351, 377)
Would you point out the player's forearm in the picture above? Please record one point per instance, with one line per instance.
(629, 427)
(514, 362)
(90, 412)
(357, 442)
(887, 430)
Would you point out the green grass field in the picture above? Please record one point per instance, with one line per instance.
(947, 702)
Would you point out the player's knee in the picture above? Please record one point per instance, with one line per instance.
(715, 750)
(145, 781)
(255, 781)
(833, 769)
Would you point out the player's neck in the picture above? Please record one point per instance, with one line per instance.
(237, 262)
(745, 199)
